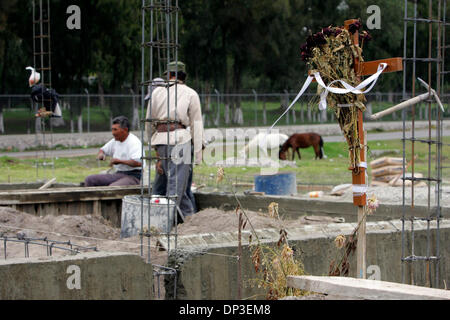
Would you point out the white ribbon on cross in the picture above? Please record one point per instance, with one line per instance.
(371, 81)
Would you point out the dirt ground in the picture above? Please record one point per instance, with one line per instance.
(94, 231)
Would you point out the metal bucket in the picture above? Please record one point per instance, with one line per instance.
(284, 183)
(160, 217)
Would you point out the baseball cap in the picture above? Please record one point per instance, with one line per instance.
(176, 66)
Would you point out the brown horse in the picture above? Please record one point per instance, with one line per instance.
(302, 140)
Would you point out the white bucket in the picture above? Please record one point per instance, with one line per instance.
(162, 214)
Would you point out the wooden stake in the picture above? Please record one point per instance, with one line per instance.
(239, 271)
(361, 245)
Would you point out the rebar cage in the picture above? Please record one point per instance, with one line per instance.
(42, 62)
(159, 48)
(416, 260)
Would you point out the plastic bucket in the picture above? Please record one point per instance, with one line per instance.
(162, 215)
(284, 183)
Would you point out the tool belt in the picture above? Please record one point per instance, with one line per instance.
(164, 127)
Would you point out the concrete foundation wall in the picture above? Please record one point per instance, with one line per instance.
(295, 207)
(84, 276)
(107, 201)
(204, 276)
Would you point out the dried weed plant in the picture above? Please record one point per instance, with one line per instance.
(340, 266)
(273, 263)
(220, 175)
(332, 53)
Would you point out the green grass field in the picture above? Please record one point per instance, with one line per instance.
(330, 171)
(21, 120)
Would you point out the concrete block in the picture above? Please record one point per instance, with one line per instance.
(87, 276)
(366, 289)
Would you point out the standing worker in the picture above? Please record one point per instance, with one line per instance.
(174, 142)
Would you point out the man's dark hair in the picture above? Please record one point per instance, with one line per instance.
(122, 121)
(181, 75)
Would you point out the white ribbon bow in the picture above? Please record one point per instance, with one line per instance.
(348, 88)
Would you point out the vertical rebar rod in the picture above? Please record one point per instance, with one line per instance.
(49, 57)
(430, 42)
(176, 106)
(144, 125)
(168, 156)
(439, 133)
(32, 102)
(149, 142)
(405, 35)
(413, 108)
(41, 49)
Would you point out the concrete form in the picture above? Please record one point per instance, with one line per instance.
(104, 201)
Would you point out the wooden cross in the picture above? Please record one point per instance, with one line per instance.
(359, 176)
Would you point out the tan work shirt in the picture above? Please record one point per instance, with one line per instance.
(189, 113)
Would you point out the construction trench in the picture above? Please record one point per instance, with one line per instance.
(74, 250)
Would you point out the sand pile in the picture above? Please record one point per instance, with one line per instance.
(95, 231)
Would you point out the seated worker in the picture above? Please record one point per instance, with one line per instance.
(126, 152)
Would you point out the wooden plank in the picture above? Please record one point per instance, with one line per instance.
(48, 184)
(365, 289)
(65, 195)
(370, 67)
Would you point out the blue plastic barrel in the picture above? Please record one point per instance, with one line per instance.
(284, 183)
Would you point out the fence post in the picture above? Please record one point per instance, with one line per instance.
(256, 107)
(135, 123)
(264, 111)
(217, 121)
(323, 116)
(286, 101)
(302, 113)
(88, 111)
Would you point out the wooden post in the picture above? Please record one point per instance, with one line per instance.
(359, 172)
(239, 272)
(361, 244)
(359, 175)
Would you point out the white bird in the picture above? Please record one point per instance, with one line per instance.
(35, 77)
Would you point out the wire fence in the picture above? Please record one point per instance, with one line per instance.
(94, 113)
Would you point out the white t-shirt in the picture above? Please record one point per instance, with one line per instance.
(130, 149)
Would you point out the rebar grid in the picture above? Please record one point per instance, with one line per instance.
(433, 213)
(42, 64)
(159, 47)
(48, 243)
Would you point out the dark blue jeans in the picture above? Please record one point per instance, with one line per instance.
(177, 177)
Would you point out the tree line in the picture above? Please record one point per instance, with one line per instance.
(229, 45)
